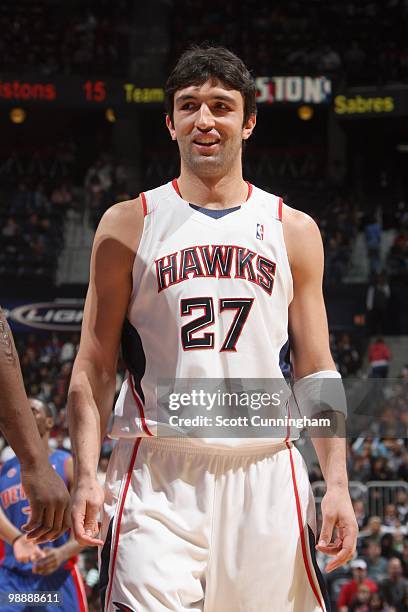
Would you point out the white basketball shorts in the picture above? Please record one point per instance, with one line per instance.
(188, 527)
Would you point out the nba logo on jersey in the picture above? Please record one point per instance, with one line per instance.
(259, 231)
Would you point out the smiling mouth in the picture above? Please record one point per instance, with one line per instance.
(206, 143)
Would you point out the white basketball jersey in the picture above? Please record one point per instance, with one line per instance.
(210, 300)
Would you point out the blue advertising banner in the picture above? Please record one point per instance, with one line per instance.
(64, 315)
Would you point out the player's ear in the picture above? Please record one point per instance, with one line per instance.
(248, 127)
(170, 127)
(49, 422)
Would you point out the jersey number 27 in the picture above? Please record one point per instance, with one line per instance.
(190, 337)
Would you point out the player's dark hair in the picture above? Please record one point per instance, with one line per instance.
(49, 408)
(201, 63)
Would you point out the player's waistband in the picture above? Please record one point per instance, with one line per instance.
(206, 446)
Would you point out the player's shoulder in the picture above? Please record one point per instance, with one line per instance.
(299, 226)
(120, 214)
(61, 454)
(302, 236)
(297, 219)
(121, 225)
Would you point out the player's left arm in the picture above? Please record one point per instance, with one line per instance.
(55, 557)
(310, 354)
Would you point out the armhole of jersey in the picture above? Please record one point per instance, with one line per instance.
(280, 209)
(148, 206)
(279, 217)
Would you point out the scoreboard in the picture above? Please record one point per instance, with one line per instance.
(74, 91)
(276, 91)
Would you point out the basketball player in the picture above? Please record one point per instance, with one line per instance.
(27, 568)
(204, 274)
(49, 498)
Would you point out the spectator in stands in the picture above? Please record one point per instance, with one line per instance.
(379, 357)
(362, 599)
(360, 512)
(402, 472)
(61, 195)
(11, 228)
(334, 263)
(390, 516)
(376, 564)
(380, 469)
(377, 603)
(350, 589)
(360, 468)
(397, 259)
(372, 232)
(378, 296)
(394, 587)
(69, 349)
(373, 531)
(387, 543)
(348, 356)
(402, 505)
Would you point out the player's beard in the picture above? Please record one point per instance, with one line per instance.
(218, 163)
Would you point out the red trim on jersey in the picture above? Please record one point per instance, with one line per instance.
(144, 203)
(280, 207)
(301, 530)
(121, 506)
(80, 590)
(176, 187)
(140, 406)
(250, 188)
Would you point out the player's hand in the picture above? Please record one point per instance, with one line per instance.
(25, 551)
(87, 500)
(49, 563)
(49, 502)
(338, 513)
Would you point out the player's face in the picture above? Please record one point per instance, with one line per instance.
(208, 126)
(40, 416)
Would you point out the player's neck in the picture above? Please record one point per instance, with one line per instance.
(213, 192)
(45, 440)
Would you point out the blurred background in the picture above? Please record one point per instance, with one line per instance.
(82, 127)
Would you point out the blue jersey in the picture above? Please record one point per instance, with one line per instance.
(15, 505)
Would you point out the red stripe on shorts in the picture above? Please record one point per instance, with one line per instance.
(140, 406)
(121, 506)
(79, 588)
(301, 531)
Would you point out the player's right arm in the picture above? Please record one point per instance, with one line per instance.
(92, 388)
(46, 492)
